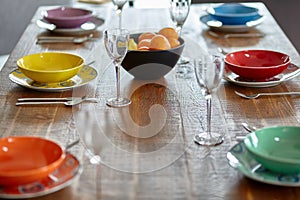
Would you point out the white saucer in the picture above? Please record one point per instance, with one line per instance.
(218, 26)
(85, 28)
(291, 72)
(240, 159)
(62, 177)
(85, 75)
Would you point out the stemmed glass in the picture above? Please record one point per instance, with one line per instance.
(179, 11)
(209, 72)
(116, 44)
(119, 4)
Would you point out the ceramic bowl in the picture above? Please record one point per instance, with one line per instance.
(67, 17)
(27, 159)
(233, 13)
(276, 148)
(151, 65)
(50, 67)
(257, 64)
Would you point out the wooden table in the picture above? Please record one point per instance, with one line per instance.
(168, 165)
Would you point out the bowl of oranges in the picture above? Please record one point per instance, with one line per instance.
(152, 55)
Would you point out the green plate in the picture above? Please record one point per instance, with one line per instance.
(85, 75)
(240, 159)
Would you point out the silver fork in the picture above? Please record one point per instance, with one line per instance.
(254, 96)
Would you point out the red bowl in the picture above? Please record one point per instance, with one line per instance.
(67, 17)
(27, 159)
(257, 64)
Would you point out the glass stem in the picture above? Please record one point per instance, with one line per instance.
(208, 118)
(119, 12)
(179, 29)
(117, 68)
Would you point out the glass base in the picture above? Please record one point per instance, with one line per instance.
(206, 140)
(118, 103)
(184, 71)
(183, 60)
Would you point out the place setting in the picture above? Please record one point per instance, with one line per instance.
(37, 167)
(36, 71)
(258, 158)
(69, 21)
(259, 68)
(232, 17)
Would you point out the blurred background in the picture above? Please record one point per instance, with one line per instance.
(16, 14)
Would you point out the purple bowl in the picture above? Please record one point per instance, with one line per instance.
(66, 17)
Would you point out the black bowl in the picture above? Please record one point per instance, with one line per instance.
(151, 65)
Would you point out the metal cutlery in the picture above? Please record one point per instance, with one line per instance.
(66, 39)
(236, 35)
(248, 128)
(58, 99)
(254, 96)
(68, 101)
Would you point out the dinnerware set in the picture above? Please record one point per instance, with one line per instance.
(59, 71)
(269, 155)
(247, 68)
(234, 19)
(34, 166)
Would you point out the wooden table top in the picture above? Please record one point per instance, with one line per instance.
(168, 165)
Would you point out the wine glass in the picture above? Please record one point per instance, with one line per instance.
(116, 44)
(119, 5)
(209, 72)
(179, 11)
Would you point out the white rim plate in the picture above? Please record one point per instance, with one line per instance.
(62, 177)
(240, 159)
(291, 72)
(85, 28)
(85, 75)
(217, 25)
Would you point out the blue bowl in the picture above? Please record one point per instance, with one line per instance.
(233, 13)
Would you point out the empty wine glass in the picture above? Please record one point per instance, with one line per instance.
(209, 72)
(116, 44)
(119, 5)
(179, 11)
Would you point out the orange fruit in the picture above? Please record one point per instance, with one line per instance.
(159, 42)
(147, 35)
(144, 42)
(168, 32)
(143, 48)
(173, 42)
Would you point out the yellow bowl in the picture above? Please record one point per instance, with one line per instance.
(50, 67)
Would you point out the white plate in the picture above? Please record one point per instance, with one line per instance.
(240, 159)
(217, 25)
(62, 177)
(291, 72)
(85, 28)
(85, 75)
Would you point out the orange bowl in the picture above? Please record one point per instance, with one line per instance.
(27, 159)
